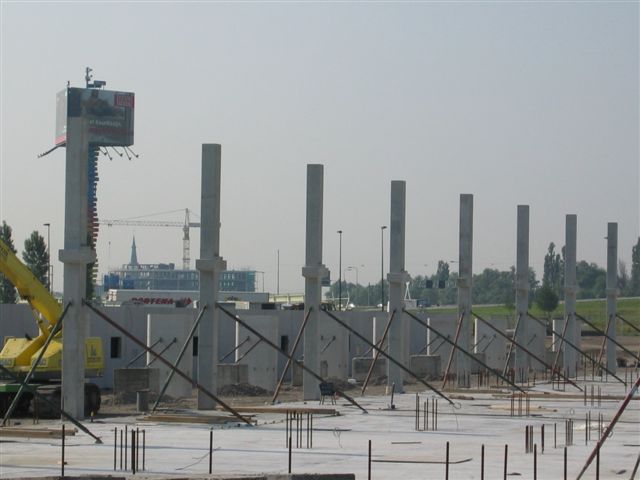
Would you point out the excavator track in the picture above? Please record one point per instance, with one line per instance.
(39, 408)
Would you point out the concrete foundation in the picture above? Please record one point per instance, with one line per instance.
(232, 374)
(360, 367)
(426, 366)
(128, 381)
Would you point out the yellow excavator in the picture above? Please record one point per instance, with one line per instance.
(19, 354)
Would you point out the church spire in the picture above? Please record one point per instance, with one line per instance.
(134, 255)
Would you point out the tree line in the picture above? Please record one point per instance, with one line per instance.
(35, 257)
(493, 286)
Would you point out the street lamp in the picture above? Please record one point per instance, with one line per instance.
(382, 229)
(48, 225)
(340, 272)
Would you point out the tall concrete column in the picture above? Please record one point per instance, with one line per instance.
(612, 292)
(210, 264)
(313, 272)
(75, 256)
(397, 277)
(522, 360)
(570, 291)
(465, 275)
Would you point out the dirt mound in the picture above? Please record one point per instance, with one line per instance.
(242, 390)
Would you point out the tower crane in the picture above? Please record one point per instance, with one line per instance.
(186, 225)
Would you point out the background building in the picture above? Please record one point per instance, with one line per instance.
(164, 276)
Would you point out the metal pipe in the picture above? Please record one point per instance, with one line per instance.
(234, 349)
(453, 350)
(510, 352)
(333, 339)
(62, 459)
(167, 363)
(289, 360)
(389, 357)
(558, 347)
(192, 332)
(625, 349)
(369, 463)
(609, 428)
(274, 346)
(572, 345)
(465, 352)
(248, 350)
(210, 450)
(141, 354)
(506, 455)
(376, 355)
(175, 340)
(524, 349)
(628, 323)
(604, 339)
(56, 328)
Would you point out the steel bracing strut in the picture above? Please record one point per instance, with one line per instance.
(278, 349)
(141, 344)
(470, 355)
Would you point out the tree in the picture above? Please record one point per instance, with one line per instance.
(36, 257)
(591, 280)
(547, 299)
(7, 290)
(553, 269)
(623, 278)
(634, 284)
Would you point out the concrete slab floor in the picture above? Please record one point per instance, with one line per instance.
(340, 443)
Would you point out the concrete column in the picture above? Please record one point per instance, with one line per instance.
(522, 360)
(397, 277)
(465, 275)
(210, 264)
(570, 290)
(76, 255)
(612, 292)
(313, 272)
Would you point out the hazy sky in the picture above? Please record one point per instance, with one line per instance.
(516, 103)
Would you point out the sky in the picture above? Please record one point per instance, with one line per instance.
(517, 103)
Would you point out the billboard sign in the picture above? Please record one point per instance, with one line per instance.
(110, 115)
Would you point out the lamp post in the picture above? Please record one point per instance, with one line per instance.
(340, 272)
(382, 229)
(278, 275)
(48, 225)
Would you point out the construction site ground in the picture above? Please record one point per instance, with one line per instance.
(179, 446)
